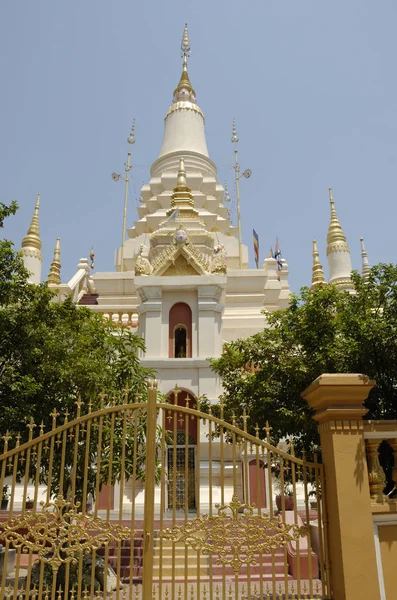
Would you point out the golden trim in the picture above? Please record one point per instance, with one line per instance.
(236, 538)
(60, 531)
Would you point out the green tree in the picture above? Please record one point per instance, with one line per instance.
(322, 331)
(54, 354)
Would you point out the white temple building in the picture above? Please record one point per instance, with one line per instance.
(182, 280)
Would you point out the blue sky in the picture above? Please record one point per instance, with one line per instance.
(311, 84)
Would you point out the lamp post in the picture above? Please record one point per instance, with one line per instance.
(116, 177)
(247, 173)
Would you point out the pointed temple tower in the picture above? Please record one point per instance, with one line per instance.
(318, 277)
(31, 247)
(338, 252)
(365, 267)
(54, 275)
(181, 268)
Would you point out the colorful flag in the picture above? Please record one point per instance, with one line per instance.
(92, 258)
(270, 255)
(277, 255)
(256, 247)
(174, 215)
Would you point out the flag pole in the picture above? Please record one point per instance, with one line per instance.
(130, 140)
(237, 177)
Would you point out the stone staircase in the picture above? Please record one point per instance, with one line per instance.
(121, 559)
(178, 562)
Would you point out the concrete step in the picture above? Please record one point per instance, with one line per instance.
(180, 571)
(267, 569)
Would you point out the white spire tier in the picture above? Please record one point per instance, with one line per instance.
(31, 247)
(338, 252)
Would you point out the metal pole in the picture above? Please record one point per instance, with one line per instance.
(237, 171)
(127, 170)
(150, 473)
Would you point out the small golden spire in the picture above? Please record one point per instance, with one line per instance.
(54, 275)
(366, 269)
(182, 197)
(318, 277)
(32, 238)
(184, 89)
(335, 231)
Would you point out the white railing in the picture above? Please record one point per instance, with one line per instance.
(77, 286)
(120, 316)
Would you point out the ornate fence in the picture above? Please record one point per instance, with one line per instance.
(159, 500)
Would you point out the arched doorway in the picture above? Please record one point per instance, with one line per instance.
(181, 453)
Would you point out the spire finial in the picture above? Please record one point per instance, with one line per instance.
(318, 277)
(185, 47)
(32, 238)
(184, 91)
(131, 137)
(335, 231)
(365, 269)
(54, 275)
(234, 133)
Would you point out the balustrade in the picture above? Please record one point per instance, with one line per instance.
(375, 433)
(124, 318)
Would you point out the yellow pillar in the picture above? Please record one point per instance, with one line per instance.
(338, 403)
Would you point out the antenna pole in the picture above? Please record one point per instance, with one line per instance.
(127, 170)
(237, 177)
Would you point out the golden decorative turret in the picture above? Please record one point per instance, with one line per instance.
(366, 269)
(338, 252)
(32, 238)
(318, 277)
(182, 197)
(54, 275)
(335, 231)
(184, 89)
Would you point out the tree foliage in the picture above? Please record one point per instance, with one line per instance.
(54, 354)
(322, 331)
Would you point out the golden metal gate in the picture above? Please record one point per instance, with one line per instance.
(159, 501)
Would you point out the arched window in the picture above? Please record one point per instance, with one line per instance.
(180, 331)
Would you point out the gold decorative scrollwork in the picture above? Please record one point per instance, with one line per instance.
(59, 532)
(235, 534)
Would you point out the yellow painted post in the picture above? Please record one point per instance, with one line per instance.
(338, 402)
(148, 536)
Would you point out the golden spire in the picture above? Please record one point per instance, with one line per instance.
(184, 89)
(318, 277)
(54, 276)
(335, 231)
(32, 238)
(366, 269)
(182, 197)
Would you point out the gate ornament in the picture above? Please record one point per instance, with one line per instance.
(235, 534)
(59, 532)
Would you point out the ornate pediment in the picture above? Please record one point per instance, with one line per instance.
(181, 257)
(180, 266)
